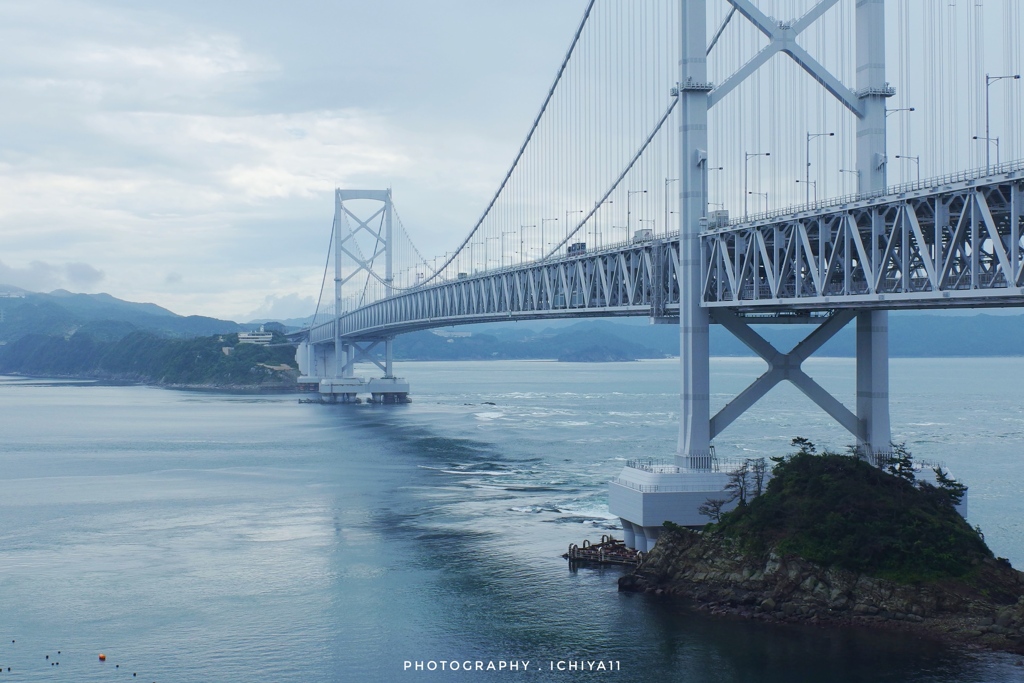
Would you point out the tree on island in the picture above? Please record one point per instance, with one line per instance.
(739, 483)
(950, 486)
(712, 508)
(758, 470)
(901, 463)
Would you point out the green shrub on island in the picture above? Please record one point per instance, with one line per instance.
(838, 510)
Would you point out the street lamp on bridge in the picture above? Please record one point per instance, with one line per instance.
(746, 158)
(893, 111)
(629, 197)
(487, 253)
(850, 170)
(543, 246)
(667, 181)
(807, 170)
(522, 241)
(989, 80)
(503, 233)
(812, 183)
(916, 160)
(989, 141)
(760, 194)
(567, 224)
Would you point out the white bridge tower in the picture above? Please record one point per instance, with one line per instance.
(645, 495)
(330, 361)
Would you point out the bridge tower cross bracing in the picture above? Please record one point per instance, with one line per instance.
(870, 425)
(345, 352)
(645, 495)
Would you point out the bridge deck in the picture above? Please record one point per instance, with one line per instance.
(943, 243)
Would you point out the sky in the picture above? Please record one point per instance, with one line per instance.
(185, 153)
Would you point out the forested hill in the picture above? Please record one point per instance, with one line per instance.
(61, 313)
(150, 359)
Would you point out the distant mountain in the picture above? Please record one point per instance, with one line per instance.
(62, 313)
(105, 318)
(587, 342)
(911, 335)
(290, 323)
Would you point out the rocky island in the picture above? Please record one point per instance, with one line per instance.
(836, 540)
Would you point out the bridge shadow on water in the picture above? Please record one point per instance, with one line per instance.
(471, 537)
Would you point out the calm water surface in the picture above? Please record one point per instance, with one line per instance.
(222, 538)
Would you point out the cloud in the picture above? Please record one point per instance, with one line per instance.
(283, 307)
(83, 275)
(40, 276)
(206, 142)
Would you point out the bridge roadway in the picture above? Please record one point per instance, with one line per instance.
(953, 241)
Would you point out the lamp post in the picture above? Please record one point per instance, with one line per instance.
(487, 252)
(570, 213)
(989, 141)
(707, 189)
(747, 156)
(812, 183)
(522, 241)
(543, 244)
(629, 197)
(989, 80)
(667, 181)
(916, 160)
(761, 194)
(807, 170)
(893, 111)
(503, 233)
(848, 170)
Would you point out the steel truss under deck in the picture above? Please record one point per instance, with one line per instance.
(634, 279)
(955, 244)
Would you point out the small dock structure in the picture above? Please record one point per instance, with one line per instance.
(609, 551)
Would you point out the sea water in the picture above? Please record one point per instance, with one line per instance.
(197, 536)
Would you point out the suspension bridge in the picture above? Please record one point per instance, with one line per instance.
(657, 109)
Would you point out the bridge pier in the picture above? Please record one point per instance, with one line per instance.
(335, 378)
(875, 438)
(645, 497)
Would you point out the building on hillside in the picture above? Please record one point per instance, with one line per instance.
(261, 338)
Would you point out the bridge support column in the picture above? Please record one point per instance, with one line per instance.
(694, 447)
(872, 166)
(873, 382)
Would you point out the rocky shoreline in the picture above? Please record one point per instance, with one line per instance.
(983, 609)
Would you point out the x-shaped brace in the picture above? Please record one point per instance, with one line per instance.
(785, 366)
(782, 37)
(366, 353)
(379, 247)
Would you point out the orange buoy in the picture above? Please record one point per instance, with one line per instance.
(103, 657)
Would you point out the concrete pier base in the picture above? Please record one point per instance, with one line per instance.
(381, 390)
(645, 496)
